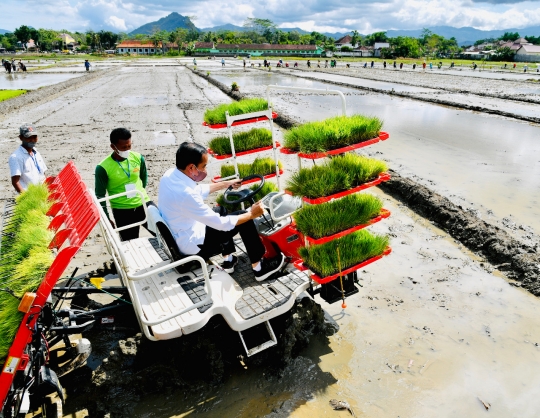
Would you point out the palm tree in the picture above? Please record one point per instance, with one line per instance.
(355, 38)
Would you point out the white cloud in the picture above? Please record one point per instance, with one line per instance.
(117, 23)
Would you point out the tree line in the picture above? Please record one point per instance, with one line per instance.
(255, 31)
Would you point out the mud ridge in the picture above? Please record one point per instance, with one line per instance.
(46, 93)
(447, 89)
(517, 260)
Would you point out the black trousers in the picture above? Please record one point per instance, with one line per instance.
(216, 242)
(123, 217)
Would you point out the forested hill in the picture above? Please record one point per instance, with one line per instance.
(168, 23)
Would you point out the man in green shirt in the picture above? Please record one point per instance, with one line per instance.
(123, 171)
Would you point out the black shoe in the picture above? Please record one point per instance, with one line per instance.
(228, 266)
(268, 267)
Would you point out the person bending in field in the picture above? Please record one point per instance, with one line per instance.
(123, 171)
(26, 164)
(200, 230)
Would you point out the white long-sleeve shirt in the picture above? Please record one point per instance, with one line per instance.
(181, 203)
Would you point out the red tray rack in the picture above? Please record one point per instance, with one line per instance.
(322, 280)
(240, 122)
(74, 216)
(238, 154)
(383, 136)
(316, 241)
(268, 176)
(382, 177)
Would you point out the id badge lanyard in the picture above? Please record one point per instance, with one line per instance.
(34, 159)
(130, 187)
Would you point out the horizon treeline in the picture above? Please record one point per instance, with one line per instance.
(256, 31)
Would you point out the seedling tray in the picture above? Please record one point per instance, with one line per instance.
(383, 136)
(238, 154)
(216, 179)
(382, 177)
(322, 280)
(240, 122)
(315, 241)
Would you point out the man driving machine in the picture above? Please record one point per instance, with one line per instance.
(199, 230)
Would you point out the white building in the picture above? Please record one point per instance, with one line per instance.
(528, 53)
(378, 46)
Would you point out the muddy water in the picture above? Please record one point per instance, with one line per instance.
(480, 161)
(29, 81)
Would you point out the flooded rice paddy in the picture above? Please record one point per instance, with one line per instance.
(31, 81)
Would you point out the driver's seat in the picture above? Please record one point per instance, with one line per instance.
(157, 224)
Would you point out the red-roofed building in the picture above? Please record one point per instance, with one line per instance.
(257, 50)
(137, 47)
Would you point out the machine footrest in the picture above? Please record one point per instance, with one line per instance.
(255, 335)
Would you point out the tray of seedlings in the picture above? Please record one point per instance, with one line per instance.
(326, 222)
(356, 250)
(265, 167)
(333, 136)
(25, 257)
(337, 177)
(216, 119)
(255, 140)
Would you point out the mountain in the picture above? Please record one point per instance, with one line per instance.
(2, 31)
(465, 35)
(168, 23)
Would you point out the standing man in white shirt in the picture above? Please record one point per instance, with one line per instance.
(200, 230)
(26, 164)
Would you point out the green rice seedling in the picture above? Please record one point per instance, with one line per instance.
(337, 174)
(353, 249)
(25, 257)
(10, 319)
(329, 218)
(243, 141)
(267, 188)
(217, 114)
(332, 133)
(261, 166)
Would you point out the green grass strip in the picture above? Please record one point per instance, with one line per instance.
(10, 94)
(25, 257)
(353, 248)
(243, 141)
(261, 166)
(319, 221)
(335, 175)
(217, 114)
(267, 188)
(332, 133)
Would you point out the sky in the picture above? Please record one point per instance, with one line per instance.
(320, 15)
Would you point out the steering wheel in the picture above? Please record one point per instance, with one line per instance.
(244, 194)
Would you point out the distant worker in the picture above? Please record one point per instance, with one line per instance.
(123, 171)
(22, 66)
(400, 65)
(365, 64)
(525, 68)
(452, 65)
(223, 62)
(296, 65)
(195, 61)
(26, 165)
(318, 63)
(423, 65)
(308, 63)
(244, 62)
(372, 64)
(431, 66)
(514, 65)
(87, 65)
(394, 64)
(384, 64)
(414, 66)
(326, 64)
